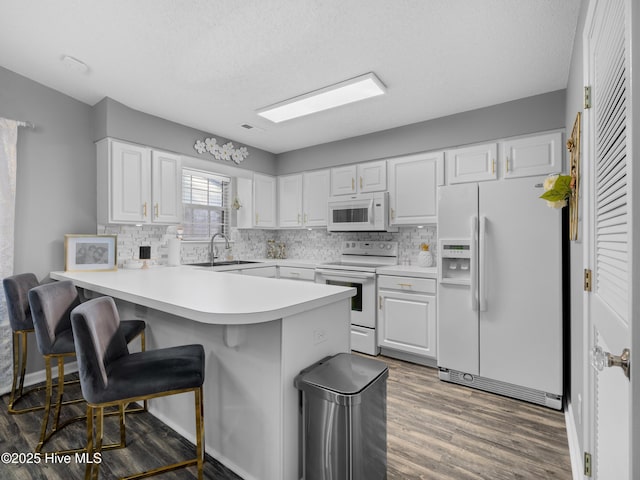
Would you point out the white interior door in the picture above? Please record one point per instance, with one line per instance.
(609, 182)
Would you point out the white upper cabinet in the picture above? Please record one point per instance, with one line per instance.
(290, 201)
(264, 201)
(361, 178)
(302, 199)
(343, 180)
(472, 164)
(535, 155)
(132, 188)
(315, 193)
(413, 182)
(244, 195)
(372, 176)
(166, 188)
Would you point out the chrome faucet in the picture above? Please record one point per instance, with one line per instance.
(211, 250)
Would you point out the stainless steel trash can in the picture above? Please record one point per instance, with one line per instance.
(344, 418)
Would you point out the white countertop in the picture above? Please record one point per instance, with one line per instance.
(209, 296)
(409, 271)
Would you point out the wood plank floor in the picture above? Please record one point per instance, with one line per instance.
(436, 431)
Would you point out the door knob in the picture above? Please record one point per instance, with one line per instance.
(601, 359)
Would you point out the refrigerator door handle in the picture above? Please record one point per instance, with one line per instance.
(473, 261)
(482, 264)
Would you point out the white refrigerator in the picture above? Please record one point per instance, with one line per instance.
(499, 323)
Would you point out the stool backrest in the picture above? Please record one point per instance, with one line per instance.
(16, 290)
(99, 341)
(51, 305)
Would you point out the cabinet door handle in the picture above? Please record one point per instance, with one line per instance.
(506, 165)
(406, 284)
(380, 302)
(353, 183)
(493, 166)
(360, 183)
(156, 210)
(393, 214)
(144, 209)
(298, 219)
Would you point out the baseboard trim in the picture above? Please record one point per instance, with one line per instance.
(208, 448)
(575, 451)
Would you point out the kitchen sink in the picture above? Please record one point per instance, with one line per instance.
(222, 264)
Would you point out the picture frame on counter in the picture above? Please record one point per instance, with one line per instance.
(90, 253)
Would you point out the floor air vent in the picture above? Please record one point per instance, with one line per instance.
(501, 388)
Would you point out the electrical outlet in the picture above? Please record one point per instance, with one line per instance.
(319, 336)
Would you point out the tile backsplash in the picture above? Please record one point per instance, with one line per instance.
(316, 245)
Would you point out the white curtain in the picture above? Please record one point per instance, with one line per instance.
(8, 141)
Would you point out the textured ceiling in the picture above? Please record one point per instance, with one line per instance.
(210, 64)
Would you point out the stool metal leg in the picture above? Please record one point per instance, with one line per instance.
(20, 347)
(199, 431)
(44, 435)
(88, 470)
(47, 403)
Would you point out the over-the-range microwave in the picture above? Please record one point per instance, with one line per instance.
(363, 212)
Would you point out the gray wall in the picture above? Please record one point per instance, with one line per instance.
(56, 172)
(573, 106)
(113, 119)
(528, 115)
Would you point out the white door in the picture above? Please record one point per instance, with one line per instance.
(609, 180)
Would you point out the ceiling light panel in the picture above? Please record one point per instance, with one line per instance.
(343, 93)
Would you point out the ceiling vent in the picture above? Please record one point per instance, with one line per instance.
(248, 126)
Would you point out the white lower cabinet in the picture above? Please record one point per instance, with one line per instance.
(297, 273)
(407, 315)
(268, 272)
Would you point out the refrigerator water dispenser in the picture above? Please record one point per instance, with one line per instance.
(455, 261)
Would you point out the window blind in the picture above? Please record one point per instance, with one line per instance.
(205, 201)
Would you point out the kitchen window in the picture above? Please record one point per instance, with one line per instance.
(205, 201)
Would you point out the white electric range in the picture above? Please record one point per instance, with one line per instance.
(357, 268)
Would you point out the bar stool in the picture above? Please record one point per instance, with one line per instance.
(111, 376)
(51, 306)
(16, 289)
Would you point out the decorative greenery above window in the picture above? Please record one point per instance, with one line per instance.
(205, 200)
(221, 152)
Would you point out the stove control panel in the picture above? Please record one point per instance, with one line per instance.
(374, 248)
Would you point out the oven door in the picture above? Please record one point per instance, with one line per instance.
(363, 311)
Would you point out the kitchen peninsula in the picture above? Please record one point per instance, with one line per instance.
(256, 340)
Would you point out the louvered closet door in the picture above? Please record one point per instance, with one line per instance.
(608, 185)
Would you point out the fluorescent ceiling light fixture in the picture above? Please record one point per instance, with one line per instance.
(349, 91)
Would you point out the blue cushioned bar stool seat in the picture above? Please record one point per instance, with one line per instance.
(16, 290)
(51, 305)
(111, 376)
